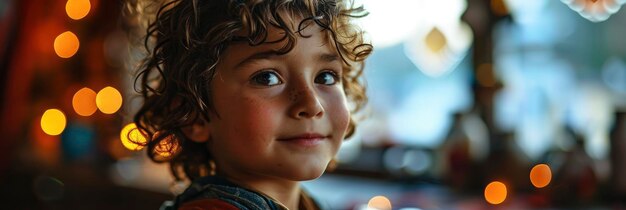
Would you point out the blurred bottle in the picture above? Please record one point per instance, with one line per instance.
(576, 181)
(455, 162)
(618, 158)
(465, 148)
(507, 162)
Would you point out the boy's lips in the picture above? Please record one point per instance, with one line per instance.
(304, 136)
(306, 139)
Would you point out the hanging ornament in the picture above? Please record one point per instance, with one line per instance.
(439, 50)
(595, 10)
(442, 40)
(435, 40)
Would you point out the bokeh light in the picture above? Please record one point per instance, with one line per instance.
(109, 100)
(132, 138)
(540, 175)
(379, 203)
(495, 192)
(84, 102)
(53, 122)
(66, 44)
(77, 9)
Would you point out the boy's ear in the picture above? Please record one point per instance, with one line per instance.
(198, 131)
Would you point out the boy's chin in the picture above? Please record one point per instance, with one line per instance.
(308, 174)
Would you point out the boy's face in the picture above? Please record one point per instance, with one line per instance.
(280, 116)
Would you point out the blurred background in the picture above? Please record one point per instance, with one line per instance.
(474, 104)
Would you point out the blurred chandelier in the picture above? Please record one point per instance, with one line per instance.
(595, 10)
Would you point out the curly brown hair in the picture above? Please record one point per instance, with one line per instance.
(184, 43)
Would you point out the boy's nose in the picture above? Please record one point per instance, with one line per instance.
(305, 104)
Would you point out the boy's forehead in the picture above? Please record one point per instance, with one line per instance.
(272, 43)
(296, 25)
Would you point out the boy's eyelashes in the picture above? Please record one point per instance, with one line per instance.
(270, 77)
(327, 78)
(266, 78)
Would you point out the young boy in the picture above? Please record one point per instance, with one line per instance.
(249, 97)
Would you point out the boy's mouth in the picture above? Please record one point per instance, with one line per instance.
(306, 139)
(304, 136)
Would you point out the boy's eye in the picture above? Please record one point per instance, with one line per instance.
(266, 78)
(326, 78)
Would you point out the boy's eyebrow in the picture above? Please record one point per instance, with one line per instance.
(322, 57)
(328, 57)
(258, 56)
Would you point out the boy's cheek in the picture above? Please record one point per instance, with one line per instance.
(258, 115)
(346, 122)
(341, 116)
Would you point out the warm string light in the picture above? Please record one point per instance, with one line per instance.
(66, 44)
(379, 203)
(109, 100)
(132, 138)
(77, 9)
(495, 192)
(84, 102)
(53, 122)
(540, 175)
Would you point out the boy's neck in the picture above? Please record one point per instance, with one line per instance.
(286, 193)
